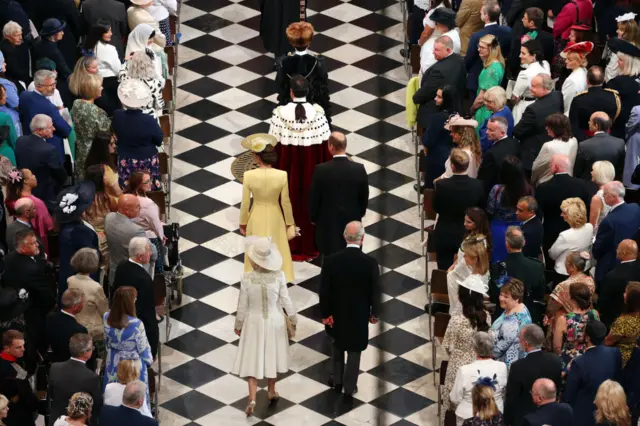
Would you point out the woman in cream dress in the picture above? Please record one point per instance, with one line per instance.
(270, 190)
(576, 62)
(263, 350)
(533, 63)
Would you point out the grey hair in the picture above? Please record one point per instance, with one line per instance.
(576, 260)
(631, 65)
(533, 335)
(71, 297)
(85, 261)
(615, 188)
(482, 344)
(141, 66)
(80, 343)
(497, 95)
(354, 237)
(514, 237)
(43, 75)
(502, 122)
(134, 392)
(532, 204)
(445, 41)
(10, 28)
(547, 81)
(137, 246)
(39, 122)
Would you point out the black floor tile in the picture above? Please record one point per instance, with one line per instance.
(376, 43)
(254, 44)
(260, 110)
(208, 5)
(390, 230)
(207, 23)
(322, 22)
(201, 231)
(403, 422)
(375, 22)
(323, 43)
(379, 86)
(397, 312)
(200, 205)
(335, 87)
(263, 408)
(377, 64)
(320, 342)
(392, 256)
(397, 341)
(194, 373)
(402, 402)
(333, 64)
(389, 204)
(197, 313)
(204, 110)
(382, 109)
(253, 23)
(382, 131)
(399, 371)
(205, 87)
(383, 155)
(261, 65)
(262, 87)
(321, 5)
(202, 156)
(335, 110)
(195, 343)
(319, 372)
(192, 405)
(396, 284)
(387, 179)
(312, 312)
(199, 258)
(206, 65)
(206, 44)
(312, 284)
(201, 181)
(199, 285)
(333, 423)
(256, 128)
(203, 133)
(374, 5)
(331, 403)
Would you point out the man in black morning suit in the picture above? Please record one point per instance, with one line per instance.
(611, 290)
(349, 301)
(524, 372)
(531, 226)
(61, 325)
(451, 199)
(599, 147)
(339, 194)
(502, 147)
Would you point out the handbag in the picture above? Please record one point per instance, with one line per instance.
(291, 328)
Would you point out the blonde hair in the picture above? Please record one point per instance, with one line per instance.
(611, 404)
(581, 57)
(575, 210)
(476, 247)
(80, 75)
(484, 406)
(128, 371)
(4, 403)
(88, 87)
(603, 172)
(631, 65)
(79, 406)
(630, 31)
(469, 139)
(495, 53)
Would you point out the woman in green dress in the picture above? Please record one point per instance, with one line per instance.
(88, 119)
(8, 138)
(490, 76)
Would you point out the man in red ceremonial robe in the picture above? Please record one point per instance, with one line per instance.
(302, 131)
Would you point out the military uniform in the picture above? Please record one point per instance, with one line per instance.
(586, 103)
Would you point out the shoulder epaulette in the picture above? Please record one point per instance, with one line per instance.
(612, 91)
(618, 103)
(582, 93)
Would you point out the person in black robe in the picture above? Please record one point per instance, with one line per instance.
(302, 62)
(276, 17)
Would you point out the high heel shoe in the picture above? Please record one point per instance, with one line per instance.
(274, 398)
(250, 408)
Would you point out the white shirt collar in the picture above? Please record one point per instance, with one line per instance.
(627, 261)
(139, 264)
(300, 53)
(340, 155)
(598, 132)
(79, 360)
(353, 246)
(617, 205)
(562, 173)
(23, 222)
(303, 99)
(528, 219)
(490, 23)
(67, 313)
(504, 137)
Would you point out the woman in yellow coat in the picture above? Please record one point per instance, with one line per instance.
(270, 190)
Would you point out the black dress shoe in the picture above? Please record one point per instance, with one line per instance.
(403, 53)
(330, 382)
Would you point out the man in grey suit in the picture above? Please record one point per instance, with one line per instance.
(600, 147)
(73, 375)
(119, 229)
(112, 12)
(25, 211)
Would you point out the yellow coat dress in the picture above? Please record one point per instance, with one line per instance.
(270, 190)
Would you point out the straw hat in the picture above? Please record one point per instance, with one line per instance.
(247, 161)
(264, 253)
(259, 141)
(582, 48)
(134, 94)
(458, 121)
(477, 285)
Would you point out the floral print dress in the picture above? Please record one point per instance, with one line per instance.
(88, 119)
(505, 332)
(575, 338)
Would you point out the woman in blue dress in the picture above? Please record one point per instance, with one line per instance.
(501, 205)
(124, 337)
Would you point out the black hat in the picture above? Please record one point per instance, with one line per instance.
(617, 45)
(444, 16)
(52, 26)
(74, 200)
(11, 304)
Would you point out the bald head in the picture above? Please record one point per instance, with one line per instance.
(600, 121)
(337, 143)
(559, 164)
(23, 206)
(627, 250)
(354, 232)
(545, 389)
(129, 205)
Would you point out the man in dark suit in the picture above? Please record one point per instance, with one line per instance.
(531, 226)
(25, 270)
(524, 372)
(621, 223)
(62, 325)
(132, 273)
(114, 13)
(549, 412)
(448, 70)
(129, 412)
(25, 210)
(527, 21)
(14, 381)
(531, 129)
(594, 99)
(588, 371)
(502, 147)
(552, 193)
(33, 152)
(451, 199)
(490, 15)
(71, 376)
(349, 301)
(612, 288)
(339, 194)
(529, 271)
(600, 147)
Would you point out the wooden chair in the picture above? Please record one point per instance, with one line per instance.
(415, 59)
(173, 20)
(440, 323)
(438, 294)
(171, 58)
(427, 204)
(165, 125)
(167, 93)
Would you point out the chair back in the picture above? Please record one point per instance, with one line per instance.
(427, 204)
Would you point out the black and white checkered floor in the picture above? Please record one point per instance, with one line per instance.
(226, 92)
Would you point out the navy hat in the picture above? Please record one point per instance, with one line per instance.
(444, 16)
(74, 200)
(617, 45)
(52, 26)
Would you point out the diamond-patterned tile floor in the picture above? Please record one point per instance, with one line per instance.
(226, 91)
